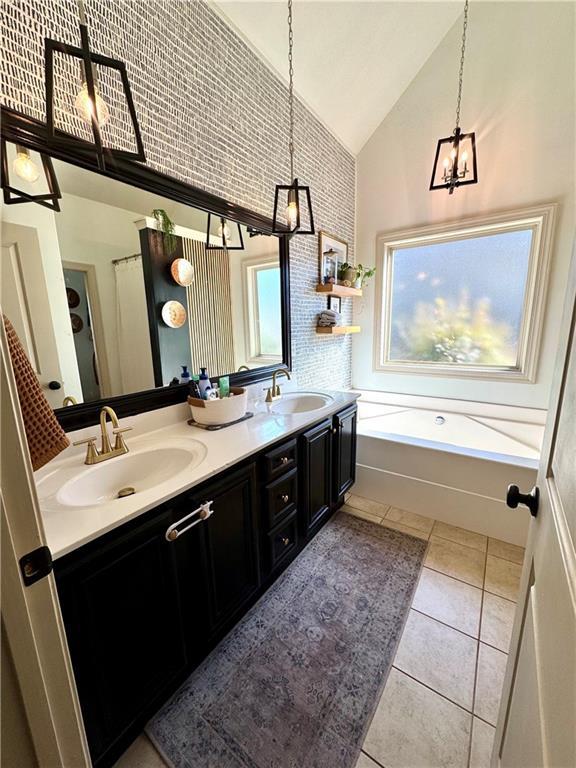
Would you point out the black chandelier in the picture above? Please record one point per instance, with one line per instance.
(223, 235)
(458, 152)
(89, 104)
(291, 197)
(32, 188)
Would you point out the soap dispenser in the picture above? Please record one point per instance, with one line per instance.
(185, 375)
(204, 384)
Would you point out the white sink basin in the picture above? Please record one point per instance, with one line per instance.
(301, 402)
(89, 486)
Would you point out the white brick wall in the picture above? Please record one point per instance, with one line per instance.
(211, 113)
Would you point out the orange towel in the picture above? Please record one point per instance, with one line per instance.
(46, 438)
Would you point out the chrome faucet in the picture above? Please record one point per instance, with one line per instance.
(273, 392)
(93, 456)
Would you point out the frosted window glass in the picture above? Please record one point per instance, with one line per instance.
(460, 302)
(269, 315)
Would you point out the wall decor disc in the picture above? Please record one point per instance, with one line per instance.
(73, 297)
(77, 322)
(173, 314)
(182, 272)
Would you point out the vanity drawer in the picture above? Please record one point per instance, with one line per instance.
(280, 460)
(283, 540)
(281, 497)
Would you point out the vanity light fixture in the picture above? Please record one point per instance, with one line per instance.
(89, 103)
(30, 173)
(224, 235)
(458, 151)
(292, 196)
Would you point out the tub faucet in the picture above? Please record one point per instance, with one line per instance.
(93, 456)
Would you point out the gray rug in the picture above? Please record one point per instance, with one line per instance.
(296, 682)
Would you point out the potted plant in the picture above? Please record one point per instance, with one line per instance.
(355, 275)
(166, 226)
(363, 274)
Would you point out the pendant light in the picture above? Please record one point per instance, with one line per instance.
(37, 185)
(223, 234)
(455, 161)
(291, 197)
(89, 103)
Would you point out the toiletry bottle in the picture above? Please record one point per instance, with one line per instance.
(224, 386)
(185, 375)
(204, 383)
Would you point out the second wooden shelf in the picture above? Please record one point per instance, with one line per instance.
(338, 330)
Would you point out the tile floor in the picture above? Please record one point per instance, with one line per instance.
(440, 704)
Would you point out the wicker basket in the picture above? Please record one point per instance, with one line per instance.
(222, 411)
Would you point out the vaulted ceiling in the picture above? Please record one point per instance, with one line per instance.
(352, 60)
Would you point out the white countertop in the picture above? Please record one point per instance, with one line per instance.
(68, 528)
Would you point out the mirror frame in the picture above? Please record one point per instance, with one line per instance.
(22, 129)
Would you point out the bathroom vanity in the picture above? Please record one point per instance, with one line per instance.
(144, 603)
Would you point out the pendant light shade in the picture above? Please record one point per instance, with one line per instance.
(28, 179)
(455, 163)
(292, 202)
(223, 234)
(89, 102)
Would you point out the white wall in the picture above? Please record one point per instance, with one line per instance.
(519, 98)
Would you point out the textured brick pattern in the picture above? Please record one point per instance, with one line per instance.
(211, 113)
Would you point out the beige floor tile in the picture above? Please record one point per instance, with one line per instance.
(361, 514)
(456, 560)
(367, 505)
(438, 656)
(491, 668)
(141, 754)
(449, 600)
(414, 727)
(420, 522)
(366, 762)
(506, 551)
(482, 741)
(460, 536)
(502, 577)
(497, 620)
(404, 528)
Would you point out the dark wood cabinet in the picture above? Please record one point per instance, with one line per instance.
(141, 610)
(316, 475)
(344, 452)
(121, 607)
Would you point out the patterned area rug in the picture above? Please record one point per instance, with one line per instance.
(296, 682)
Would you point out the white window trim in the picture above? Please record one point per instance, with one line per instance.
(538, 218)
(251, 325)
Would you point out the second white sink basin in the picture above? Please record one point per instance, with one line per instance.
(301, 402)
(89, 486)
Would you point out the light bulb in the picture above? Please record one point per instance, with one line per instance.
(453, 154)
(292, 214)
(85, 107)
(25, 167)
(446, 162)
(224, 232)
(464, 157)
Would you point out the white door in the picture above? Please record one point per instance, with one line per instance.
(537, 721)
(31, 614)
(25, 302)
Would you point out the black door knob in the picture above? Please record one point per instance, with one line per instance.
(54, 385)
(531, 500)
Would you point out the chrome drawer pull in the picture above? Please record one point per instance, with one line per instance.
(285, 541)
(284, 460)
(285, 498)
(204, 511)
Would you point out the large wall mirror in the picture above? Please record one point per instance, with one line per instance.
(108, 303)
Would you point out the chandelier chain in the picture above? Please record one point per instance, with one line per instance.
(461, 74)
(291, 89)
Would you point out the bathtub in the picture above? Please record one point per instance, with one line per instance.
(449, 459)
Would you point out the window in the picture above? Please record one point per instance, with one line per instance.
(466, 299)
(264, 318)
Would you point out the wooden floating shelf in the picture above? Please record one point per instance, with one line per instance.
(338, 330)
(331, 289)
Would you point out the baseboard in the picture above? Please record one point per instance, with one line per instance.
(472, 511)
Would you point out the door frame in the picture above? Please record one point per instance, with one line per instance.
(31, 614)
(559, 380)
(95, 310)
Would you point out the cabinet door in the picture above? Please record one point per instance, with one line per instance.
(316, 474)
(231, 544)
(121, 609)
(345, 424)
